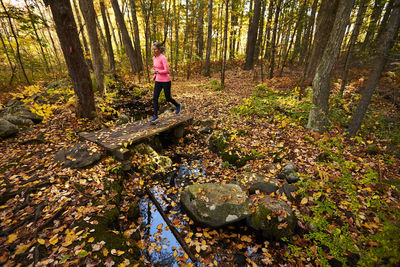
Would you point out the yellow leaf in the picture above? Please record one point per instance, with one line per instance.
(120, 252)
(91, 240)
(11, 238)
(304, 201)
(159, 226)
(54, 240)
(198, 248)
(22, 248)
(105, 252)
(41, 241)
(175, 253)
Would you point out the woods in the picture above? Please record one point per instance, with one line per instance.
(290, 112)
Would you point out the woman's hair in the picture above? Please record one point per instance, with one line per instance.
(159, 46)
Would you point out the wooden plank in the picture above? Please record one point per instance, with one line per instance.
(134, 132)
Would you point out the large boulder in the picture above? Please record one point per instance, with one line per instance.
(273, 217)
(7, 129)
(27, 114)
(79, 156)
(215, 205)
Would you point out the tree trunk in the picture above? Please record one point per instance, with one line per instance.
(209, 38)
(73, 54)
(234, 24)
(384, 21)
(273, 42)
(304, 53)
(251, 41)
(37, 36)
(110, 53)
(200, 31)
(82, 32)
(374, 20)
(225, 41)
(16, 42)
(353, 40)
(268, 29)
(299, 31)
(260, 31)
(318, 117)
(89, 16)
(117, 46)
(325, 20)
(385, 42)
(12, 67)
(176, 16)
(130, 52)
(136, 34)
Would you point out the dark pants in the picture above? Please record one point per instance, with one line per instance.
(167, 92)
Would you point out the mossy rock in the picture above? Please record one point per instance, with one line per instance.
(218, 144)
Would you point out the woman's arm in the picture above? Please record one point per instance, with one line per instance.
(164, 62)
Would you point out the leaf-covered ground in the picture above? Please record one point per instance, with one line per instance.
(347, 208)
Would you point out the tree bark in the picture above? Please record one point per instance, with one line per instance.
(251, 41)
(110, 53)
(268, 29)
(353, 40)
(385, 42)
(130, 52)
(82, 32)
(176, 18)
(136, 34)
(73, 54)
(260, 31)
(305, 51)
(89, 16)
(273, 42)
(372, 26)
(325, 21)
(225, 41)
(318, 117)
(209, 39)
(16, 42)
(200, 30)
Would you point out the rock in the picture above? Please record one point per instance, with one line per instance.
(206, 130)
(288, 172)
(292, 178)
(13, 103)
(263, 187)
(27, 114)
(273, 217)
(7, 129)
(254, 181)
(161, 163)
(215, 205)
(79, 156)
(179, 132)
(288, 189)
(16, 120)
(122, 119)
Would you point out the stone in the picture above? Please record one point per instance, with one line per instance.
(255, 182)
(16, 120)
(215, 205)
(179, 132)
(288, 189)
(121, 153)
(79, 156)
(263, 187)
(292, 178)
(27, 114)
(288, 173)
(162, 163)
(122, 119)
(7, 129)
(273, 218)
(206, 130)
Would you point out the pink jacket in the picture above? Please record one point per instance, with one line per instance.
(160, 64)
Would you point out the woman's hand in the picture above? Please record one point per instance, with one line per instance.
(153, 71)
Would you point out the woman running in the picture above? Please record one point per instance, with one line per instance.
(162, 80)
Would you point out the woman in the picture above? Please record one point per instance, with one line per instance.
(162, 80)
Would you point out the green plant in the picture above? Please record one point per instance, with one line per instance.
(216, 85)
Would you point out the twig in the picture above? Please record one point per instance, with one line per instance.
(171, 227)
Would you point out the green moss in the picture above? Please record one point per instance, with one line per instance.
(260, 216)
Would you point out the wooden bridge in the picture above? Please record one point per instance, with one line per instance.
(130, 133)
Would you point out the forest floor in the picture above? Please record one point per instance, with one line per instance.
(348, 210)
